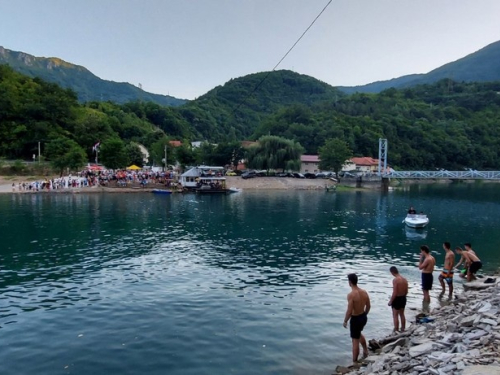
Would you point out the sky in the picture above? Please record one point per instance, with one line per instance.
(184, 48)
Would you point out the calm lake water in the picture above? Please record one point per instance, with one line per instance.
(251, 283)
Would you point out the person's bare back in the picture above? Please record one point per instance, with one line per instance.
(360, 301)
(400, 285)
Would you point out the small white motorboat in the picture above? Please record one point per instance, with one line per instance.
(233, 189)
(416, 220)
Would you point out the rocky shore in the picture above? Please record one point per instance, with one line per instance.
(462, 337)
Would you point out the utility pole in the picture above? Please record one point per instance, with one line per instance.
(38, 152)
(166, 166)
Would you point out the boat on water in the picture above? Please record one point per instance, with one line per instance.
(416, 220)
(233, 189)
(161, 191)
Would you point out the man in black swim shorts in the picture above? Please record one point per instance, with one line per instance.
(398, 299)
(358, 307)
(427, 267)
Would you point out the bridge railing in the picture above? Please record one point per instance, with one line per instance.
(443, 174)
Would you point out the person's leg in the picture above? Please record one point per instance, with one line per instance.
(441, 281)
(362, 340)
(427, 297)
(355, 349)
(450, 287)
(402, 317)
(395, 319)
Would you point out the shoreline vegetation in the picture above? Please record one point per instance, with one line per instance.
(460, 337)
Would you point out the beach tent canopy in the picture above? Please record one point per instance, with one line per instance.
(134, 167)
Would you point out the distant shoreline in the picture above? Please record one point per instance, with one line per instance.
(258, 183)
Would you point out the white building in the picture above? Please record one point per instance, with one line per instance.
(191, 178)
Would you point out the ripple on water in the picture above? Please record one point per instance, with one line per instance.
(253, 284)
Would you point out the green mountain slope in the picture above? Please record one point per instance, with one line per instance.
(480, 66)
(235, 110)
(88, 86)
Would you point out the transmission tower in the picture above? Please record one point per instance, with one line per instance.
(382, 156)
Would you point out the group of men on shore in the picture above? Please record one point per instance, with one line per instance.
(358, 300)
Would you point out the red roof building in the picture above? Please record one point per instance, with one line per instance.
(175, 143)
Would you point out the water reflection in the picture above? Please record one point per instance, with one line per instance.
(415, 234)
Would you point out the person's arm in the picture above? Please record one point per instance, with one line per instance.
(348, 313)
(423, 264)
(368, 304)
(393, 293)
(461, 261)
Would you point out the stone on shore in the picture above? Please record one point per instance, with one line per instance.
(461, 339)
(482, 370)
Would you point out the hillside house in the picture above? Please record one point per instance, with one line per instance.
(309, 164)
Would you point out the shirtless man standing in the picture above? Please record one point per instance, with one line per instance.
(447, 273)
(398, 299)
(470, 257)
(427, 267)
(358, 307)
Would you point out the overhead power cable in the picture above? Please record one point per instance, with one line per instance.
(283, 58)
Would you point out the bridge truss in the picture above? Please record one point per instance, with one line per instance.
(449, 175)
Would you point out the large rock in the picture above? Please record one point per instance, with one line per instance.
(403, 341)
(468, 321)
(481, 370)
(421, 349)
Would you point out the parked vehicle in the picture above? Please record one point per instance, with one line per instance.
(309, 175)
(325, 174)
(230, 173)
(249, 174)
(298, 175)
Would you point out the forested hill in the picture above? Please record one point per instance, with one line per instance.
(447, 124)
(235, 109)
(480, 66)
(88, 86)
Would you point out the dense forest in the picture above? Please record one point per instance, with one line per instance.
(447, 125)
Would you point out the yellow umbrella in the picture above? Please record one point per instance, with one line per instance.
(134, 167)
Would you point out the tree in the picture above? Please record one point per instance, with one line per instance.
(185, 155)
(112, 153)
(333, 155)
(134, 154)
(229, 153)
(273, 152)
(65, 153)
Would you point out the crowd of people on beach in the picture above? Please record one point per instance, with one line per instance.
(91, 178)
(358, 300)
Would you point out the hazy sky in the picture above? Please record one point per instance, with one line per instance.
(186, 47)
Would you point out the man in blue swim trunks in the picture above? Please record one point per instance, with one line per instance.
(358, 307)
(447, 273)
(427, 267)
